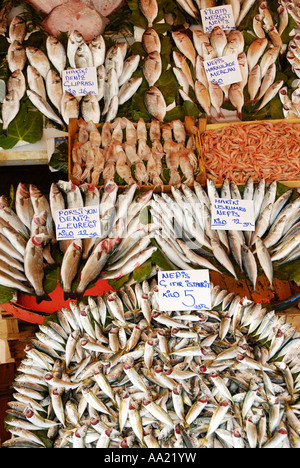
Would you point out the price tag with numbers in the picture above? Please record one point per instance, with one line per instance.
(233, 215)
(78, 223)
(80, 81)
(184, 290)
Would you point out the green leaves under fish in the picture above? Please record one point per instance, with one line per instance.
(6, 294)
(59, 159)
(26, 127)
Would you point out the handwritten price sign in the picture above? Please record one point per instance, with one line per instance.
(80, 81)
(233, 215)
(80, 223)
(223, 70)
(218, 16)
(184, 290)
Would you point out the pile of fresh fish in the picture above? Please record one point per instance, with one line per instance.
(292, 8)
(179, 226)
(186, 236)
(258, 69)
(28, 241)
(291, 101)
(117, 373)
(121, 148)
(42, 81)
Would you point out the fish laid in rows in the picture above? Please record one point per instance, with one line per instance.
(258, 69)
(122, 149)
(186, 236)
(32, 74)
(114, 372)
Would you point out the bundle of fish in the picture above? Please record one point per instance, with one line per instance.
(44, 71)
(28, 241)
(258, 65)
(152, 65)
(121, 149)
(258, 69)
(121, 232)
(290, 100)
(186, 236)
(293, 10)
(116, 373)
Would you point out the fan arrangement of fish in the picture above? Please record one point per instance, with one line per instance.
(113, 372)
(144, 232)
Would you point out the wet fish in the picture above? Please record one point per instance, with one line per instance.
(17, 29)
(56, 54)
(16, 57)
(38, 60)
(10, 109)
(149, 8)
(43, 107)
(155, 103)
(54, 89)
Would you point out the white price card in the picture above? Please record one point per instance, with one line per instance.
(184, 290)
(80, 81)
(78, 223)
(223, 70)
(233, 215)
(218, 16)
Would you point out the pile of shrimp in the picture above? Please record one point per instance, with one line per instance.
(262, 150)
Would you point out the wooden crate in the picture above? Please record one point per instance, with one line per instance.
(203, 127)
(189, 124)
(9, 330)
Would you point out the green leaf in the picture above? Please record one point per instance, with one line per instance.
(143, 272)
(145, 215)
(59, 159)
(27, 126)
(116, 285)
(6, 294)
(161, 260)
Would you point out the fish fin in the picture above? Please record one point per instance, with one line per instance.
(44, 297)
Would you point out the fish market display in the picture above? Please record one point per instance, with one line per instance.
(290, 98)
(32, 75)
(258, 69)
(128, 153)
(261, 150)
(116, 373)
(178, 227)
(293, 9)
(28, 242)
(186, 237)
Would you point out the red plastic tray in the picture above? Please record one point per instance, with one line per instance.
(28, 310)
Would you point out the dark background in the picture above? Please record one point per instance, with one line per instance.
(40, 176)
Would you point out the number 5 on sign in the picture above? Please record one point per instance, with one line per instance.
(184, 290)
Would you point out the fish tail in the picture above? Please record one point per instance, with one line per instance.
(42, 298)
(69, 295)
(51, 266)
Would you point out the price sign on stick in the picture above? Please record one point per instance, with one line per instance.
(218, 16)
(80, 223)
(80, 81)
(233, 215)
(184, 290)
